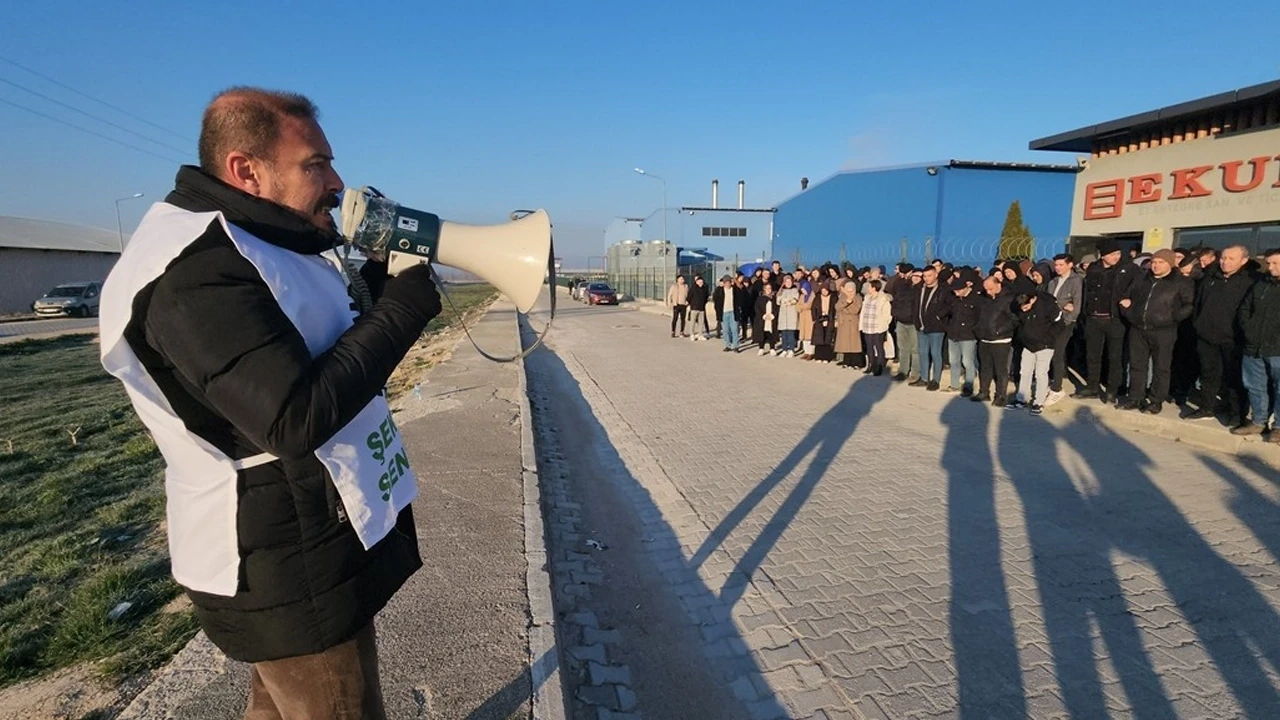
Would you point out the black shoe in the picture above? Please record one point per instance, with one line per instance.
(917, 383)
(673, 334)
(1143, 405)
(1107, 399)
(1153, 408)
(899, 377)
(878, 372)
(999, 402)
(979, 397)
(1014, 404)
(1085, 393)
(1200, 414)
(1037, 409)
(966, 392)
(728, 350)
(931, 387)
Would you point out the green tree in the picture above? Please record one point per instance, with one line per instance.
(1016, 240)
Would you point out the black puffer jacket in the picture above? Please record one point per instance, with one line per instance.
(698, 295)
(239, 375)
(1218, 300)
(963, 320)
(996, 319)
(904, 298)
(1157, 303)
(1260, 319)
(1038, 328)
(1105, 286)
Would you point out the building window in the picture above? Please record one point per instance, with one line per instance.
(1258, 238)
(724, 232)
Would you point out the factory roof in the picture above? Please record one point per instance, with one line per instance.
(28, 234)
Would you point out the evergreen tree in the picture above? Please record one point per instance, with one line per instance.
(1016, 241)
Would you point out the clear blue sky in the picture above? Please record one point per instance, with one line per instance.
(471, 109)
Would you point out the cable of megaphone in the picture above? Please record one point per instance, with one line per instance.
(509, 256)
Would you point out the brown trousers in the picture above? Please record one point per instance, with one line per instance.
(340, 683)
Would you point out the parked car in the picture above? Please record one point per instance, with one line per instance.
(599, 293)
(578, 291)
(78, 299)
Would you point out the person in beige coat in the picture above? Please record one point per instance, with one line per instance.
(848, 336)
(804, 306)
(678, 303)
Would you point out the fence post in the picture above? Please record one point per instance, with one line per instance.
(928, 249)
(904, 249)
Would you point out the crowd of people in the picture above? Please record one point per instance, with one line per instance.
(1199, 327)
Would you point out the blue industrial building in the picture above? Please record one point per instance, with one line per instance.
(954, 210)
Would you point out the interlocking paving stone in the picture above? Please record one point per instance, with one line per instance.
(936, 556)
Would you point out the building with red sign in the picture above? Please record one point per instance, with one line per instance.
(1205, 172)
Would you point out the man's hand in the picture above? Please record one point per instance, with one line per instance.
(1069, 307)
(1125, 303)
(415, 288)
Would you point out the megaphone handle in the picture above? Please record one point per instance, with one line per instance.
(551, 275)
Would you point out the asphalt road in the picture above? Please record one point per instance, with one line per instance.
(32, 328)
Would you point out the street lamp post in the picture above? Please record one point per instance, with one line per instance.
(119, 227)
(641, 171)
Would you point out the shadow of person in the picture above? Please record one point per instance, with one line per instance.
(1254, 508)
(1071, 557)
(1231, 618)
(982, 635)
(824, 441)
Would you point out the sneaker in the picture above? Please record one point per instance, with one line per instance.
(1036, 409)
(917, 383)
(966, 392)
(1153, 408)
(761, 351)
(1201, 414)
(1055, 396)
(1249, 429)
(979, 397)
(775, 353)
(1014, 404)
(999, 401)
(1085, 393)
(899, 377)
(1107, 399)
(728, 349)
(673, 334)
(931, 387)
(1127, 404)
(1273, 436)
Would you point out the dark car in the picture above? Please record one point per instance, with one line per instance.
(601, 294)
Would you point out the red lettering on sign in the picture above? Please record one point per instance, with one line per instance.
(1145, 188)
(1231, 174)
(1186, 183)
(1103, 200)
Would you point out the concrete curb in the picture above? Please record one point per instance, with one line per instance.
(544, 653)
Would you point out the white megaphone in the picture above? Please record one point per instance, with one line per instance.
(514, 257)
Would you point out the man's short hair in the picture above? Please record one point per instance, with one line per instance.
(1272, 251)
(1244, 251)
(877, 284)
(1023, 298)
(247, 119)
(1212, 252)
(1064, 257)
(905, 267)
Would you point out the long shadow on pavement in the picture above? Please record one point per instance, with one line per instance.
(1071, 539)
(706, 668)
(1255, 509)
(982, 635)
(824, 441)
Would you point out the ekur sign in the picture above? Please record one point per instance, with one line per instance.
(1107, 199)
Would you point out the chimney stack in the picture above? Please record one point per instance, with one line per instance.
(742, 194)
(804, 183)
(715, 194)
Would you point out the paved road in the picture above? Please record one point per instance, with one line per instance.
(28, 328)
(910, 554)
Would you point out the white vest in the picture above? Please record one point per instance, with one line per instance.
(366, 459)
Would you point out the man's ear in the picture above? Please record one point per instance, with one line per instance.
(241, 172)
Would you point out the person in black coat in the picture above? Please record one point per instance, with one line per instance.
(242, 378)
(901, 289)
(824, 323)
(961, 323)
(1154, 305)
(994, 330)
(1105, 328)
(765, 319)
(699, 293)
(1218, 341)
(1259, 319)
(932, 307)
(1039, 322)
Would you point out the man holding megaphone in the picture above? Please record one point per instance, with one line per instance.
(261, 380)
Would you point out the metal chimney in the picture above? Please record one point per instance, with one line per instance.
(742, 194)
(804, 183)
(715, 194)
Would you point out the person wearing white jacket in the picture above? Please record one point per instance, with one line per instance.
(788, 315)
(874, 325)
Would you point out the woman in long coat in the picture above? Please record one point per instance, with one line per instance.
(804, 307)
(848, 336)
(788, 317)
(824, 324)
